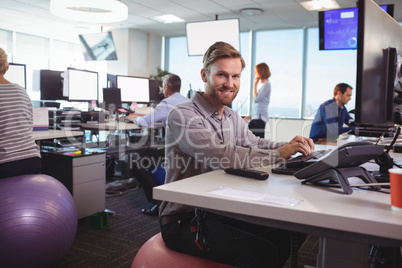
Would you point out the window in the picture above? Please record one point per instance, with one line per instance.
(34, 52)
(187, 68)
(6, 43)
(325, 69)
(60, 60)
(282, 50)
(241, 104)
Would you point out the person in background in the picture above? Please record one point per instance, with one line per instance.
(205, 135)
(171, 89)
(19, 154)
(261, 94)
(332, 115)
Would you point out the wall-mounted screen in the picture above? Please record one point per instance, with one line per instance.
(16, 74)
(133, 89)
(80, 85)
(98, 46)
(201, 35)
(338, 27)
(51, 85)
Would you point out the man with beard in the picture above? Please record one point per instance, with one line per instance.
(205, 135)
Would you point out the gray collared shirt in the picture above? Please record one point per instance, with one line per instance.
(198, 141)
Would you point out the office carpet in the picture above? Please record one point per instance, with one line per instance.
(117, 244)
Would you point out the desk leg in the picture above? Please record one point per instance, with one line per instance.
(335, 253)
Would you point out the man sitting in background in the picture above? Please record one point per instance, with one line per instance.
(332, 115)
(171, 90)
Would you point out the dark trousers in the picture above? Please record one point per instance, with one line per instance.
(20, 167)
(230, 241)
(140, 170)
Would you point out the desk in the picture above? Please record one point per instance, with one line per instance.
(55, 134)
(124, 129)
(347, 224)
(112, 125)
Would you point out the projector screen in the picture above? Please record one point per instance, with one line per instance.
(201, 35)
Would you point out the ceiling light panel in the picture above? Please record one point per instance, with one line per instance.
(96, 11)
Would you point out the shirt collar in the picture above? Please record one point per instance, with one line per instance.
(205, 107)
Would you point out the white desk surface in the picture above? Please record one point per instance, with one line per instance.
(55, 134)
(364, 216)
(112, 125)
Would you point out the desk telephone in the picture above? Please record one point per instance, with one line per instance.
(341, 164)
(292, 165)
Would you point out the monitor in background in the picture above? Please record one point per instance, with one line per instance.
(338, 27)
(376, 66)
(201, 35)
(16, 74)
(51, 85)
(111, 99)
(133, 89)
(155, 94)
(98, 46)
(80, 85)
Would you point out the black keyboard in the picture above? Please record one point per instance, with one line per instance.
(250, 173)
(290, 166)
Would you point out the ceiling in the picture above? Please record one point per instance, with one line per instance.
(33, 16)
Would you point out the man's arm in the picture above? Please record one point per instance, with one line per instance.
(346, 121)
(190, 132)
(330, 117)
(246, 138)
(158, 114)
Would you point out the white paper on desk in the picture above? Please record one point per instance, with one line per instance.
(255, 196)
(40, 119)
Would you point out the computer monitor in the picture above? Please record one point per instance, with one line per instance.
(80, 85)
(338, 27)
(111, 99)
(133, 89)
(155, 95)
(51, 85)
(375, 96)
(16, 74)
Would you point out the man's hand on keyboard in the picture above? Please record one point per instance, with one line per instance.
(297, 144)
(130, 117)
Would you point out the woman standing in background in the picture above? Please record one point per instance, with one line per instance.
(261, 94)
(19, 154)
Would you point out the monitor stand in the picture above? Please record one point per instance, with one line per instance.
(341, 175)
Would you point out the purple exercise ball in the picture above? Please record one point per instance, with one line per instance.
(38, 221)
